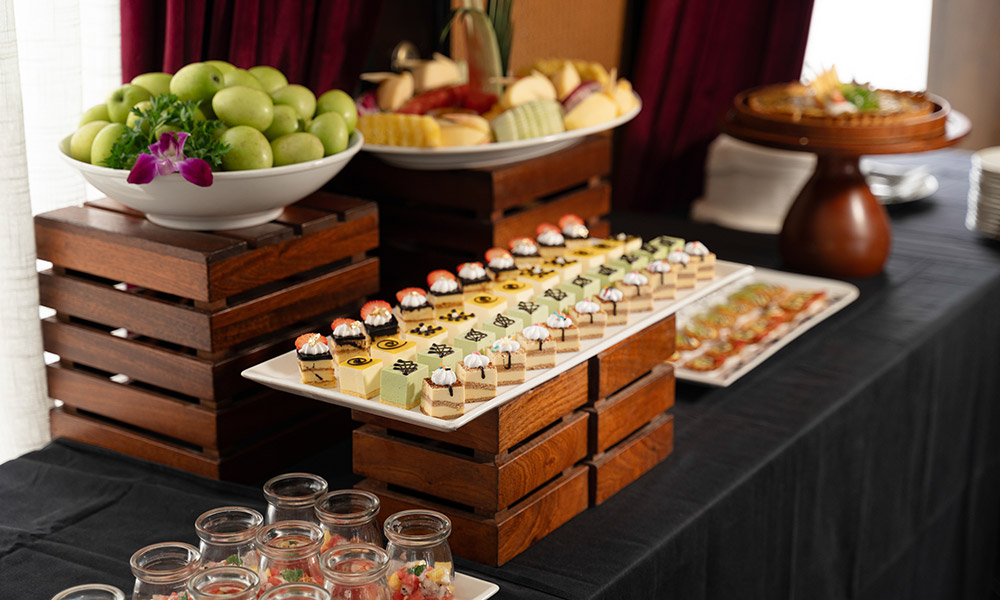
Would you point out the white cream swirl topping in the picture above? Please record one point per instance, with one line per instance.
(444, 286)
(476, 361)
(352, 329)
(379, 316)
(678, 258)
(611, 294)
(658, 266)
(635, 278)
(585, 307)
(506, 344)
(551, 238)
(558, 320)
(576, 230)
(535, 332)
(502, 262)
(413, 300)
(525, 247)
(443, 376)
(316, 344)
(472, 270)
(695, 249)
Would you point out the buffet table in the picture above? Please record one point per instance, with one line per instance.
(861, 461)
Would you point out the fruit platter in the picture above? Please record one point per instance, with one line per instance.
(213, 146)
(429, 117)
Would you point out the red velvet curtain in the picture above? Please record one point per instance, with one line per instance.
(321, 44)
(693, 57)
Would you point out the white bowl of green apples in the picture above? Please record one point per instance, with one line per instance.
(225, 148)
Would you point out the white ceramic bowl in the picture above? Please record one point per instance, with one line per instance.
(235, 199)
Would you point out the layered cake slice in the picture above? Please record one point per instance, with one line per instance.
(680, 264)
(582, 287)
(574, 231)
(479, 376)
(389, 350)
(663, 278)
(350, 339)
(485, 306)
(500, 265)
(379, 321)
(550, 242)
(442, 395)
(590, 257)
(525, 252)
(529, 313)
(701, 259)
(315, 360)
(456, 322)
(538, 278)
(425, 334)
(445, 293)
(589, 319)
(539, 347)
(514, 291)
(359, 376)
(439, 354)
(401, 384)
(607, 274)
(565, 268)
(503, 326)
(473, 278)
(564, 332)
(614, 304)
(475, 340)
(509, 357)
(413, 307)
(638, 291)
(555, 299)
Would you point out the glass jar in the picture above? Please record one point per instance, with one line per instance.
(348, 517)
(291, 497)
(289, 553)
(296, 591)
(417, 545)
(224, 583)
(356, 572)
(162, 570)
(90, 591)
(229, 537)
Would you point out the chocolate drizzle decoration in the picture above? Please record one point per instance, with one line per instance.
(513, 285)
(440, 350)
(359, 361)
(647, 247)
(581, 281)
(528, 307)
(388, 344)
(426, 330)
(631, 258)
(503, 321)
(474, 336)
(555, 294)
(484, 299)
(508, 360)
(405, 366)
(606, 270)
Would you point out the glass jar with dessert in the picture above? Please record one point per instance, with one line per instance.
(289, 553)
(420, 562)
(224, 583)
(90, 591)
(348, 517)
(296, 591)
(291, 497)
(163, 570)
(229, 537)
(356, 572)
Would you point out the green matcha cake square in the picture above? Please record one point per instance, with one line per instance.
(652, 252)
(668, 242)
(503, 326)
(582, 287)
(633, 261)
(439, 354)
(607, 274)
(401, 384)
(474, 340)
(555, 299)
(529, 313)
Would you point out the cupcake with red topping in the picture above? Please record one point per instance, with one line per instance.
(574, 231)
(473, 277)
(550, 240)
(525, 252)
(379, 320)
(413, 306)
(500, 265)
(445, 293)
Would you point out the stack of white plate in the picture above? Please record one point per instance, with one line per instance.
(984, 193)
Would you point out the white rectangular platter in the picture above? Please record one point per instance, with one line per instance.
(468, 587)
(838, 295)
(282, 372)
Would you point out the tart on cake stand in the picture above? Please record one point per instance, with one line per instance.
(836, 227)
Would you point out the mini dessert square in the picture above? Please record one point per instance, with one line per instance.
(529, 313)
(442, 395)
(401, 384)
(680, 264)
(576, 235)
(349, 340)
(445, 293)
(389, 350)
(701, 259)
(503, 326)
(525, 252)
(359, 376)
(582, 287)
(315, 360)
(612, 248)
(638, 291)
(631, 243)
(378, 319)
(652, 251)
(439, 354)
(664, 280)
(540, 279)
(508, 356)
(589, 319)
(473, 277)
(425, 334)
(500, 265)
(564, 332)
(479, 377)
(590, 257)
(456, 322)
(539, 347)
(565, 268)
(613, 302)
(514, 291)
(668, 242)
(555, 299)
(607, 274)
(475, 340)
(485, 306)
(413, 307)
(550, 242)
(632, 261)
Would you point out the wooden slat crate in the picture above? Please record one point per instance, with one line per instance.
(153, 327)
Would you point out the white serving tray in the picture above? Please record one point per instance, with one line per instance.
(282, 372)
(468, 587)
(838, 295)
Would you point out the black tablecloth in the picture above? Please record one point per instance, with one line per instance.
(861, 461)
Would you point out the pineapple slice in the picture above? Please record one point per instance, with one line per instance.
(391, 129)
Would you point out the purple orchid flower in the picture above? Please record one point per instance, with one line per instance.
(167, 156)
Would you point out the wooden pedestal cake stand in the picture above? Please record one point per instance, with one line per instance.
(836, 227)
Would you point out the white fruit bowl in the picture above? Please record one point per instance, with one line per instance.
(235, 199)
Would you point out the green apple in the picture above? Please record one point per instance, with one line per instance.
(242, 77)
(339, 102)
(206, 110)
(286, 120)
(249, 149)
(221, 65)
(100, 150)
(165, 129)
(95, 113)
(269, 77)
(242, 105)
(123, 99)
(196, 81)
(83, 140)
(64, 144)
(133, 118)
(295, 148)
(298, 97)
(331, 129)
(156, 83)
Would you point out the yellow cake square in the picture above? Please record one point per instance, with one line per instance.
(359, 376)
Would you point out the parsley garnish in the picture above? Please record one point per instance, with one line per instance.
(234, 559)
(168, 110)
(292, 575)
(416, 570)
(860, 96)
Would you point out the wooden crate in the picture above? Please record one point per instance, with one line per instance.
(153, 326)
(614, 469)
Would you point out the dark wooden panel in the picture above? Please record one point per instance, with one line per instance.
(616, 417)
(631, 459)
(541, 459)
(347, 207)
(305, 220)
(630, 359)
(589, 203)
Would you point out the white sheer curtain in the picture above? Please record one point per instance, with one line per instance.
(57, 57)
